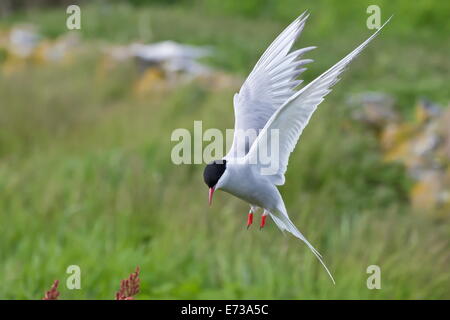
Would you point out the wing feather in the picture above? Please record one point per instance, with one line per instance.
(293, 116)
(269, 85)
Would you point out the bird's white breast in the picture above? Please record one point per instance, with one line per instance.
(244, 182)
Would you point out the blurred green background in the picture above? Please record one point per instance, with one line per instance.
(86, 176)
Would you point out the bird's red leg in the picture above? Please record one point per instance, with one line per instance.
(249, 219)
(263, 221)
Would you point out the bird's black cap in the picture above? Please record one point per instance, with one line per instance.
(213, 171)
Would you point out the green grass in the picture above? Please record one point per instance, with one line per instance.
(86, 176)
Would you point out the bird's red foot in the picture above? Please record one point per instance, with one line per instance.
(249, 219)
(263, 222)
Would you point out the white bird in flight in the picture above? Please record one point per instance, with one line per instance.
(267, 102)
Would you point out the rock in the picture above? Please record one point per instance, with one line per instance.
(422, 146)
(427, 192)
(373, 108)
(444, 131)
(57, 50)
(151, 79)
(394, 134)
(426, 110)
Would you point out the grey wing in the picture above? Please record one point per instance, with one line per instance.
(269, 85)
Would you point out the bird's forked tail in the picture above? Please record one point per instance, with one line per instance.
(284, 223)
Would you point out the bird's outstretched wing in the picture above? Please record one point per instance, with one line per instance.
(288, 121)
(268, 86)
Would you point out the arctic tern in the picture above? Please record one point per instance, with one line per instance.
(267, 102)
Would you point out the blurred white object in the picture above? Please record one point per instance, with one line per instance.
(168, 50)
(173, 56)
(23, 40)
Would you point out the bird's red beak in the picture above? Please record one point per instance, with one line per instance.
(211, 192)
